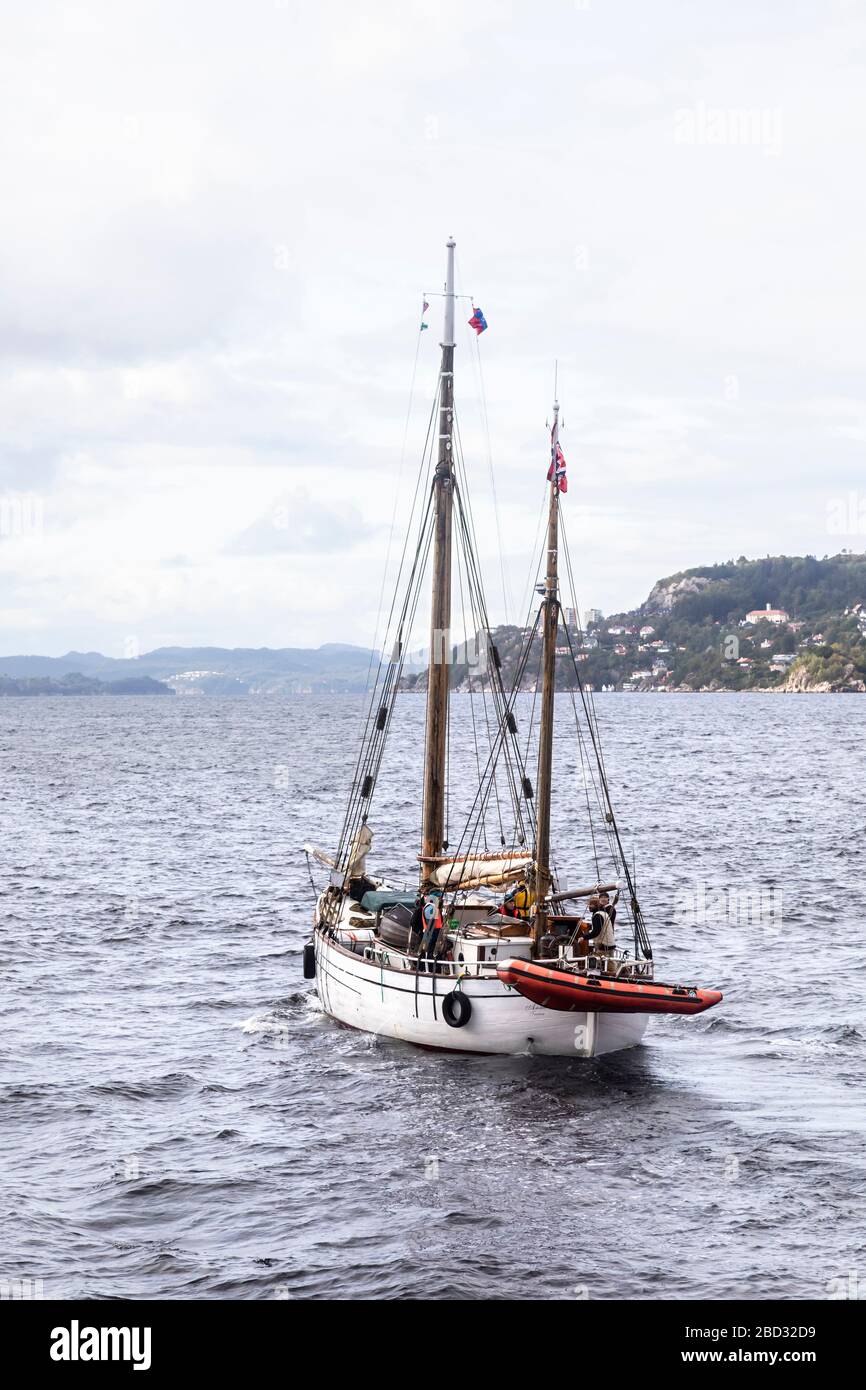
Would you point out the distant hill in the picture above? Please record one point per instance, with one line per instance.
(801, 585)
(334, 667)
(815, 631)
(691, 633)
(74, 683)
(694, 633)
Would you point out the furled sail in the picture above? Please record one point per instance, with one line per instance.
(474, 870)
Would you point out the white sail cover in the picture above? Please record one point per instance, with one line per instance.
(480, 868)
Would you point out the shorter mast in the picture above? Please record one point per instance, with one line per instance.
(550, 624)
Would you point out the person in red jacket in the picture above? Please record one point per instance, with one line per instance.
(517, 902)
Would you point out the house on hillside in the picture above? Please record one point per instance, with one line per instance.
(767, 615)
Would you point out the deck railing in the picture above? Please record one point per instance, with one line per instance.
(615, 963)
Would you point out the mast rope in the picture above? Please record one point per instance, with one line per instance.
(395, 506)
(475, 356)
(641, 938)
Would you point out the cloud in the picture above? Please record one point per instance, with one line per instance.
(295, 524)
(211, 274)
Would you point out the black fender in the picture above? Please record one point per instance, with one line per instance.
(456, 1009)
(309, 960)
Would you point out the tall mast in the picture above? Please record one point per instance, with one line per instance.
(548, 675)
(436, 736)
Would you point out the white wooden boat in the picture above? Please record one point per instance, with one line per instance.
(436, 966)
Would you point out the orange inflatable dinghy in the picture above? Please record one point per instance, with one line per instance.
(565, 990)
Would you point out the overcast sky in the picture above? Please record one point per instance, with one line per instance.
(219, 219)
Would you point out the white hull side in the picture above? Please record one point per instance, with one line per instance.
(401, 1004)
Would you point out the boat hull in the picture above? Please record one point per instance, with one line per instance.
(563, 991)
(403, 1004)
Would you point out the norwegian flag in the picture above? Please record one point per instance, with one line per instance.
(557, 468)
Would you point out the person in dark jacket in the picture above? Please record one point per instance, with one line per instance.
(431, 914)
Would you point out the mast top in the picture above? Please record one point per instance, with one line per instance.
(448, 332)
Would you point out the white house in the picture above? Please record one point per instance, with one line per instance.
(767, 615)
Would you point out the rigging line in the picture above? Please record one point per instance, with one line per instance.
(527, 596)
(478, 617)
(411, 609)
(374, 766)
(367, 753)
(510, 707)
(501, 736)
(590, 693)
(484, 787)
(501, 702)
(470, 547)
(475, 355)
(396, 500)
(532, 634)
(534, 687)
(540, 548)
(476, 833)
(372, 729)
(467, 826)
(587, 778)
(486, 697)
(607, 820)
(316, 894)
(423, 467)
(593, 732)
(588, 702)
(449, 651)
(424, 464)
(496, 685)
(641, 935)
(473, 549)
(398, 673)
(469, 672)
(591, 778)
(586, 766)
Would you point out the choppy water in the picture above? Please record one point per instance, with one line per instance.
(180, 1120)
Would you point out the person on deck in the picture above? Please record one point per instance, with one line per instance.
(518, 901)
(431, 915)
(602, 938)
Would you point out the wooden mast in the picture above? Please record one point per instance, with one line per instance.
(548, 677)
(439, 669)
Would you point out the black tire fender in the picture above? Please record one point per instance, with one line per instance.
(309, 960)
(456, 1009)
